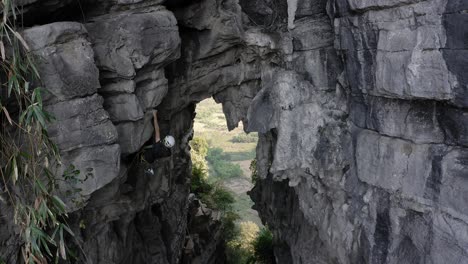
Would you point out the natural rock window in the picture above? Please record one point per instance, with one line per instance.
(221, 177)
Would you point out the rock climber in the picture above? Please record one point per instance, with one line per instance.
(160, 148)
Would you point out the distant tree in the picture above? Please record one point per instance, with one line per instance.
(215, 154)
(198, 152)
(245, 138)
(223, 199)
(247, 235)
(221, 165)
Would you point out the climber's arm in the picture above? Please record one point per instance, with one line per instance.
(157, 136)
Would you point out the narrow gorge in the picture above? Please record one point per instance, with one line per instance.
(361, 107)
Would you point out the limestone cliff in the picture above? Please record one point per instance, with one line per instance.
(360, 106)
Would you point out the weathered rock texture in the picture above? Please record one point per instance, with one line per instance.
(379, 164)
(360, 106)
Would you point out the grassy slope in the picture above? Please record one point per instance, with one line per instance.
(210, 123)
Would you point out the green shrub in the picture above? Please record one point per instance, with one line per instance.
(238, 255)
(248, 232)
(199, 145)
(221, 165)
(253, 170)
(250, 245)
(245, 138)
(263, 247)
(199, 183)
(215, 197)
(226, 170)
(215, 154)
(230, 229)
(239, 156)
(218, 198)
(198, 152)
(223, 199)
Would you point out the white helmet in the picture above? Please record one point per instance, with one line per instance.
(169, 141)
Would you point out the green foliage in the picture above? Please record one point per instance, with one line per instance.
(227, 170)
(245, 138)
(215, 154)
(223, 149)
(240, 249)
(221, 166)
(199, 183)
(230, 229)
(243, 207)
(263, 247)
(211, 194)
(253, 170)
(214, 196)
(240, 155)
(199, 164)
(199, 146)
(251, 245)
(238, 255)
(222, 198)
(247, 235)
(82, 224)
(29, 160)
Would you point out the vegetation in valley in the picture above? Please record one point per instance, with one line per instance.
(245, 242)
(212, 194)
(222, 163)
(263, 247)
(251, 245)
(228, 157)
(245, 138)
(240, 250)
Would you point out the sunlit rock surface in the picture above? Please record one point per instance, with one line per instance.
(360, 107)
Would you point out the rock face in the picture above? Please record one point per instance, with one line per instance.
(82, 130)
(360, 107)
(379, 177)
(205, 243)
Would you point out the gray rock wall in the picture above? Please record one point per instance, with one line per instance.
(385, 183)
(360, 108)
